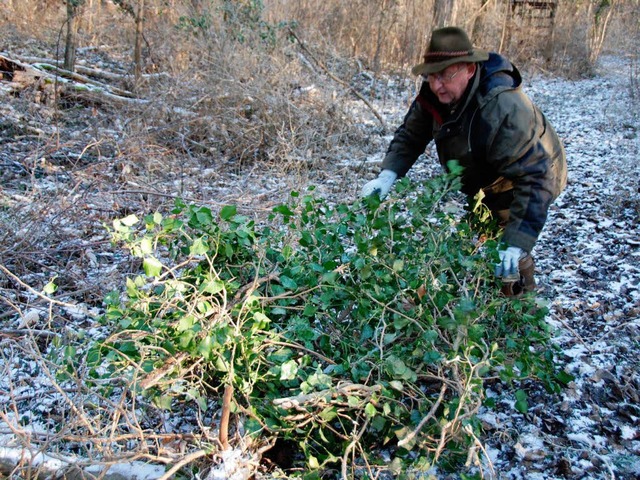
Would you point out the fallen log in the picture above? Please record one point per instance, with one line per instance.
(20, 76)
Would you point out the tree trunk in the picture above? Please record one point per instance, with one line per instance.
(443, 12)
(379, 36)
(478, 19)
(600, 13)
(73, 7)
(137, 54)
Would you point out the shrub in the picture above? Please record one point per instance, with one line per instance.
(347, 329)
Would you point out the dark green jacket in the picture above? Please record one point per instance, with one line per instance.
(504, 142)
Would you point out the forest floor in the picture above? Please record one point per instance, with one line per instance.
(55, 201)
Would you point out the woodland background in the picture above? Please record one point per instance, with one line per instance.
(242, 60)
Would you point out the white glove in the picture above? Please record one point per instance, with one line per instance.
(381, 185)
(509, 260)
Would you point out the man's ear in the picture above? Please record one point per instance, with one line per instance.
(471, 69)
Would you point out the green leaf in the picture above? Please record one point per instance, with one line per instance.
(206, 347)
(399, 369)
(213, 286)
(50, 288)
(288, 283)
(521, 404)
(129, 221)
(313, 463)
(163, 402)
(185, 323)
(198, 247)
(146, 246)
(328, 414)
(204, 217)
(70, 352)
(228, 212)
(564, 377)
(288, 370)
(262, 321)
(396, 385)
(370, 410)
(283, 210)
(152, 266)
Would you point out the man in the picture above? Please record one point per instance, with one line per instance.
(472, 105)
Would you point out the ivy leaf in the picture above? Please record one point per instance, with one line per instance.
(152, 266)
(50, 288)
(521, 401)
(564, 377)
(396, 385)
(228, 212)
(288, 370)
(204, 217)
(198, 247)
(288, 283)
(146, 247)
(185, 323)
(283, 210)
(163, 402)
(129, 220)
(328, 414)
(370, 410)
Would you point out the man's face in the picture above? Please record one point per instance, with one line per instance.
(450, 83)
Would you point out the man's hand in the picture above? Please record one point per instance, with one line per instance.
(509, 260)
(381, 186)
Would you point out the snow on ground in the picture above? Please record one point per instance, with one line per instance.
(588, 265)
(588, 268)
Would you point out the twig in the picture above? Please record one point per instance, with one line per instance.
(341, 82)
(185, 461)
(393, 310)
(428, 417)
(11, 332)
(618, 327)
(316, 398)
(161, 372)
(478, 444)
(350, 447)
(224, 417)
(34, 291)
(568, 327)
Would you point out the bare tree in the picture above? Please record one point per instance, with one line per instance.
(444, 12)
(73, 10)
(137, 52)
(599, 13)
(477, 20)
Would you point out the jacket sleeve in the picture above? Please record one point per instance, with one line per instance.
(524, 150)
(410, 139)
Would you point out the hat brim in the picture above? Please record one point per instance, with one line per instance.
(434, 67)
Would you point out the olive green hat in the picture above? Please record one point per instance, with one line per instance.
(448, 45)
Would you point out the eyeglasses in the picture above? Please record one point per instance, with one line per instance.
(441, 77)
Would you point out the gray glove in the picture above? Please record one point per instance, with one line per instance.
(509, 260)
(381, 186)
